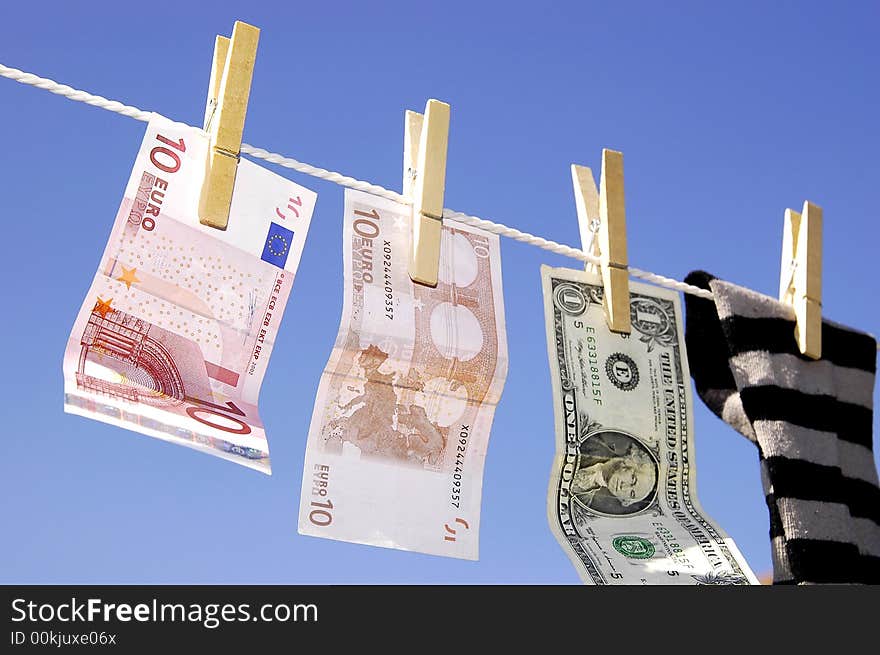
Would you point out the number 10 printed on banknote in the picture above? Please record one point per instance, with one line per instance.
(405, 405)
(175, 333)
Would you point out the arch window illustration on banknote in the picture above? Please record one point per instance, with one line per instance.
(120, 358)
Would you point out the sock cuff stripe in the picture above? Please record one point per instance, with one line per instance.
(827, 562)
(812, 519)
(850, 422)
(759, 368)
(781, 439)
(793, 478)
(840, 347)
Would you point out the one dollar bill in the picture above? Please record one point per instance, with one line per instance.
(622, 500)
(174, 335)
(405, 404)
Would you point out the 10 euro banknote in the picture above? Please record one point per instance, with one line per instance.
(175, 333)
(623, 497)
(405, 404)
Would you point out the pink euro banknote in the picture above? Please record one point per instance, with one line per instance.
(175, 333)
(405, 405)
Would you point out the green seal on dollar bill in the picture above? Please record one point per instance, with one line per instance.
(633, 547)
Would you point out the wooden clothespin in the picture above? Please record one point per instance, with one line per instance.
(800, 281)
(424, 178)
(228, 93)
(602, 222)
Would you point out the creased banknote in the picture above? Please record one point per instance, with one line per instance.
(622, 500)
(404, 408)
(174, 335)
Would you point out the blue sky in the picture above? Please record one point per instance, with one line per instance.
(726, 116)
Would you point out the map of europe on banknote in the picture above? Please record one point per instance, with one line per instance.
(622, 500)
(404, 409)
(175, 333)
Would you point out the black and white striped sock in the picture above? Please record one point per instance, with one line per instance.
(811, 421)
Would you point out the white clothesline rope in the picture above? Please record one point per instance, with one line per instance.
(344, 180)
(351, 182)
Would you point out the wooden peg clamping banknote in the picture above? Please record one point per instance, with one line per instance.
(228, 92)
(602, 222)
(426, 139)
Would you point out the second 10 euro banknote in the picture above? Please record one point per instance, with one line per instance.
(175, 333)
(405, 405)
